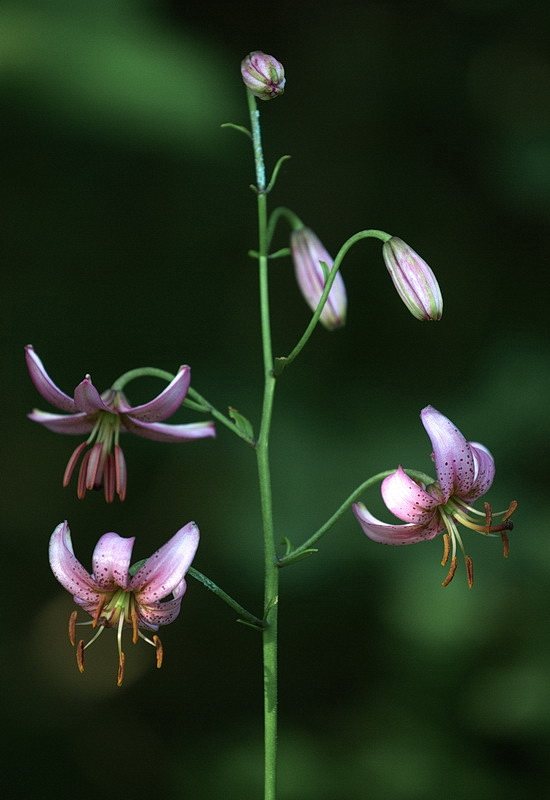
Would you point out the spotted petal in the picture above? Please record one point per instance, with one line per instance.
(44, 383)
(396, 534)
(68, 570)
(155, 614)
(111, 561)
(164, 404)
(454, 461)
(165, 569)
(484, 471)
(406, 499)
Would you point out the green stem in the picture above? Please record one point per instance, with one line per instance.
(299, 552)
(247, 617)
(271, 573)
(200, 404)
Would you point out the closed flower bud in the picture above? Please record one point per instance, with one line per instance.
(415, 282)
(263, 75)
(307, 253)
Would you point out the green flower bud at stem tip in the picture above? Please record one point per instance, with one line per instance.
(263, 75)
(415, 282)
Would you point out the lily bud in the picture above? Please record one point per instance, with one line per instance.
(415, 282)
(263, 75)
(307, 253)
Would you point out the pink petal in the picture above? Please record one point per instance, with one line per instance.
(454, 462)
(395, 534)
(88, 399)
(406, 499)
(155, 614)
(163, 432)
(63, 423)
(44, 383)
(68, 570)
(164, 404)
(111, 561)
(164, 571)
(484, 471)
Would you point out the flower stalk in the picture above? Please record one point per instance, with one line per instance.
(271, 573)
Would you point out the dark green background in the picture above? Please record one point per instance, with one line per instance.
(126, 224)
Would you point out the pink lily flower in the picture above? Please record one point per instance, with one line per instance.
(115, 594)
(104, 417)
(465, 472)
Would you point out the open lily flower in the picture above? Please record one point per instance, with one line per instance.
(104, 417)
(119, 596)
(465, 472)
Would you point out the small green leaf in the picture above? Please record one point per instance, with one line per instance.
(239, 128)
(289, 547)
(241, 422)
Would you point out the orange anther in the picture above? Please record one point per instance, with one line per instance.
(469, 571)
(159, 651)
(451, 573)
(446, 548)
(72, 627)
(120, 676)
(505, 544)
(511, 508)
(80, 655)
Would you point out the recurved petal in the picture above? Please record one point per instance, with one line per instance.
(454, 462)
(63, 423)
(484, 464)
(166, 403)
(166, 568)
(68, 570)
(156, 614)
(88, 399)
(162, 432)
(406, 499)
(395, 534)
(111, 561)
(44, 383)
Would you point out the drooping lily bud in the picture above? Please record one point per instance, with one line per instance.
(263, 75)
(415, 282)
(307, 253)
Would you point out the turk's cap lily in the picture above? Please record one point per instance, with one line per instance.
(414, 280)
(465, 472)
(103, 417)
(263, 75)
(118, 596)
(307, 254)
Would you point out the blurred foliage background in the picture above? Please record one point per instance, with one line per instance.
(127, 219)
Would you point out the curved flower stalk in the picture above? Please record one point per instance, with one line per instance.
(307, 254)
(117, 596)
(104, 417)
(465, 472)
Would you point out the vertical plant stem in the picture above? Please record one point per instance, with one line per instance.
(271, 572)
